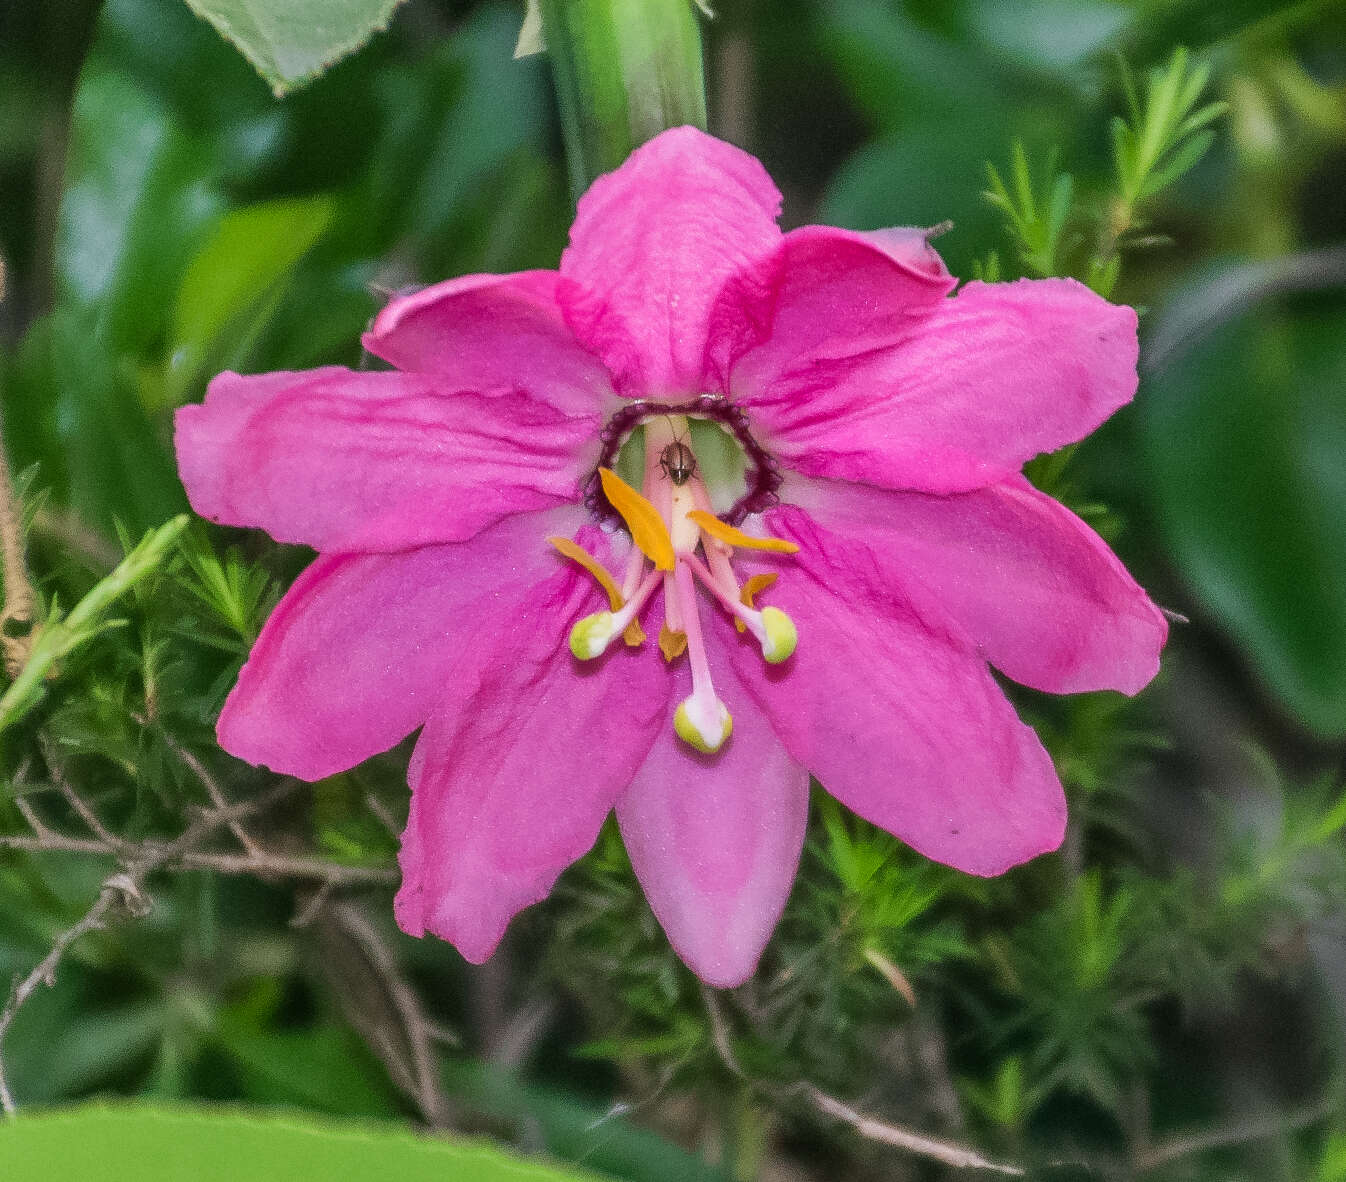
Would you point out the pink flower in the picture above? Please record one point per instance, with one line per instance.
(882, 426)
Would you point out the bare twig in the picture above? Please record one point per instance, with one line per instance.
(209, 783)
(1237, 1132)
(114, 891)
(263, 864)
(520, 1035)
(67, 529)
(382, 815)
(949, 1153)
(125, 888)
(81, 807)
(383, 1007)
(29, 814)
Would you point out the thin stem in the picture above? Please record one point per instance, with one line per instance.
(123, 889)
(950, 1153)
(262, 864)
(624, 70)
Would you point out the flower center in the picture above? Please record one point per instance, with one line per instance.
(762, 476)
(679, 541)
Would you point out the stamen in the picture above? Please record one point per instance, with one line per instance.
(672, 644)
(771, 627)
(755, 586)
(647, 527)
(672, 524)
(736, 537)
(590, 637)
(635, 567)
(634, 633)
(751, 589)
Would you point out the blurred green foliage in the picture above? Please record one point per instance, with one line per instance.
(1095, 1014)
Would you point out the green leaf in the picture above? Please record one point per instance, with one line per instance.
(72, 406)
(1159, 24)
(59, 636)
(233, 283)
(576, 1131)
(1178, 163)
(139, 198)
(325, 1069)
(292, 41)
(110, 1143)
(1244, 434)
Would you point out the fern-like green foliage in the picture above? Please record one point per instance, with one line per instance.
(1056, 230)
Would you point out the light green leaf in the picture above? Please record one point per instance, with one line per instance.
(233, 283)
(139, 198)
(293, 41)
(111, 1143)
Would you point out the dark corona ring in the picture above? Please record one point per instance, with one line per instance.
(762, 475)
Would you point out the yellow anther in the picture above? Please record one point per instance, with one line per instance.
(751, 589)
(781, 636)
(736, 537)
(577, 553)
(647, 528)
(634, 634)
(672, 644)
(706, 729)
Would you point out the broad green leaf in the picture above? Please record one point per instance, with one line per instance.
(577, 1131)
(72, 406)
(139, 198)
(1158, 25)
(326, 1069)
(1047, 34)
(1244, 434)
(291, 41)
(234, 282)
(112, 1143)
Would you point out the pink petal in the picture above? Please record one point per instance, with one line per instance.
(651, 246)
(355, 656)
(895, 716)
(986, 381)
(1037, 591)
(482, 332)
(822, 294)
(373, 461)
(715, 839)
(514, 774)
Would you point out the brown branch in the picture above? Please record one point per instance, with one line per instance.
(95, 550)
(382, 815)
(81, 807)
(120, 888)
(124, 888)
(1236, 1132)
(262, 864)
(949, 1153)
(208, 782)
(416, 1071)
(382, 1006)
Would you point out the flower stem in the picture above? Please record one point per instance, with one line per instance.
(625, 70)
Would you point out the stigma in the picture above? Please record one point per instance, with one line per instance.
(679, 543)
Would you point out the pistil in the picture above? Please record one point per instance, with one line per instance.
(669, 520)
